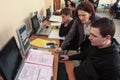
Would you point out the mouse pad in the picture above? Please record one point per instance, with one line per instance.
(62, 74)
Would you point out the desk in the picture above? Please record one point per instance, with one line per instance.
(68, 64)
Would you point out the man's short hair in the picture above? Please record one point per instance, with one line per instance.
(106, 26)
(66, 11)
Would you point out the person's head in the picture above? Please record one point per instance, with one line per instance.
(102, 31)
(66, 14)
(72, 6)
(68, 3)
(85, 11)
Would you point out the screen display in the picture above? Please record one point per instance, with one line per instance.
(10, 59)
(48, 12)
(35, 23)
(23, 39)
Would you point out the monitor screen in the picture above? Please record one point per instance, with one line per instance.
(23, 38)
(35, 23)
(48, 12)
(10, 59)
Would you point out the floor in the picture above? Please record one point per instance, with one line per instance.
(117, 34)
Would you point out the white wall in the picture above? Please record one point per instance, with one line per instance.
(14, 13)
(106, 1)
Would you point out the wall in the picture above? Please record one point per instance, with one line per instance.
(14, 13)
(106, 1)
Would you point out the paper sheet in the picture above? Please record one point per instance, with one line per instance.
(55, 18)
(41, 58)
(35, 72)
(55, 23)
(55, 34)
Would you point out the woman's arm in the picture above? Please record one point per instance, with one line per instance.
(70, 35)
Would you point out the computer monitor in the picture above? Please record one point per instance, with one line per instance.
(10, 60)
(35, 23)
(48, 12)
(23, 38)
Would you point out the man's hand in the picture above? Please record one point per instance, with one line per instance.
(57, 50)
(64, 57)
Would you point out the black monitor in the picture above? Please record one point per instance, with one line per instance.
(10, 60)
(35, 23)
(48, 12)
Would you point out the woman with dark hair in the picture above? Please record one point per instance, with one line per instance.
(67, 3)
(85, 15)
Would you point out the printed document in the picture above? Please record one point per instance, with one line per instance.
(40, 58)
(55, 18)
(54, 34)
(35, 72)
(38, 66)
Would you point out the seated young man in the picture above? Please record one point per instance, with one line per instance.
(67, 22)
(100, 54)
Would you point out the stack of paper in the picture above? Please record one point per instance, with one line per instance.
(55, 18)
(38, 66)
(55, 23)
(54, 34)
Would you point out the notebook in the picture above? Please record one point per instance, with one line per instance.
(35, 66)
(38, 27)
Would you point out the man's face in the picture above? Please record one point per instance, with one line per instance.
(96, 38)
(83, 16)
(64, 18)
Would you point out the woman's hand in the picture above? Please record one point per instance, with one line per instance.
(58, 50)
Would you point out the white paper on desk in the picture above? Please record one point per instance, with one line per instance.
(55, 34)
(40, 58)
(55, 18)
(41, 51)
(35, 72)
(55, 23)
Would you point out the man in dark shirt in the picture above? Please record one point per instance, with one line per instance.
(67, 22)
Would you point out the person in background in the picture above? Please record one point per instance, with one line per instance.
(67, 22)
(116, 8)
(95, 3)
(85, 15)
(67, 3)
(73, 8)
(100, 57)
